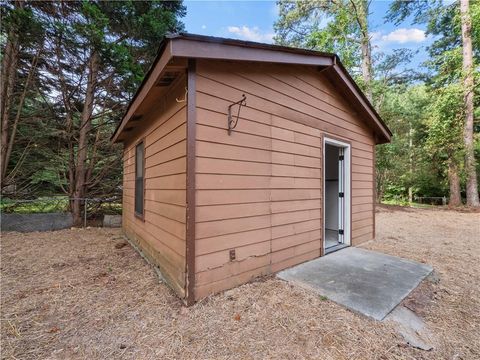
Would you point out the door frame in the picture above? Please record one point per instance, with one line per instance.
(347, 188)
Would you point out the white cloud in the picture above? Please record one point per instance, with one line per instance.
(375, 36)
(401, 36)
(204, 27)
(251, 34)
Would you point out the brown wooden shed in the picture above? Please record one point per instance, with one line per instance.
(293, 180)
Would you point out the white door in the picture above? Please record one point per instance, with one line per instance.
(344, 195)
(341, 195)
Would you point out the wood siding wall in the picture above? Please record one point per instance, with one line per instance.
(259, 191)
(161, 234)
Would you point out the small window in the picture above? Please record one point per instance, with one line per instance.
(139, 172)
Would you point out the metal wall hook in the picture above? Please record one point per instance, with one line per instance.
(232, 123)
(184, 99)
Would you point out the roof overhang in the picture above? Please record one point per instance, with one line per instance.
(207, 47)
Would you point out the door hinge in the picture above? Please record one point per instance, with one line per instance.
(340, 194)
(341, 157)
(340, 231)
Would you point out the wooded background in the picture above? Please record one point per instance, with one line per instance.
(433, 111)
(69, 69)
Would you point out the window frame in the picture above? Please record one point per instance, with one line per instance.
(141, 215)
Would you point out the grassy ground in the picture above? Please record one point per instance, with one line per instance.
(52, 204)
(40, 205)
(83, 294)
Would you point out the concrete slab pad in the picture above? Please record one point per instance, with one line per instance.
(364, 281)
(411, 327)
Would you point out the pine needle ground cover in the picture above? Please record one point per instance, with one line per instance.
(85, 293)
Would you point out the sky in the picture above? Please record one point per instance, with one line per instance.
(254, 20)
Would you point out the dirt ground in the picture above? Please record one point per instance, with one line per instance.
(79, 294)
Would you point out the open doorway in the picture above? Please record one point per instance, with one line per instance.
(336, 223)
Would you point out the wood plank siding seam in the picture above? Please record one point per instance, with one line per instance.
(363, 145)
(330, 109)
(347, 118)
(207, 135)
(355, 158)
(250, 86)
(255, 116)
(259, 161)
(172, 160)
(180, 109)
(293, 223)
(257, 214)
(308, 115)
(269, 241)
(279, 139)
(280, 76)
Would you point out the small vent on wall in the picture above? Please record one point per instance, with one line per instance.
(167, 78)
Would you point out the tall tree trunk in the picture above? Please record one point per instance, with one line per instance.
(13, 132)
(454, 183)
(367, 67)
(378, 186)
(69, 125)
(361, 9)
(81, 166)
(411, 162)
(470, 163)
(8, 74)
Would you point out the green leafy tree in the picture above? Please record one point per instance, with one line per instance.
(444, 142)
(454, 59)
(401, 164)
(22, 44)
(342, 27)
(334, 26)
(93, 58)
